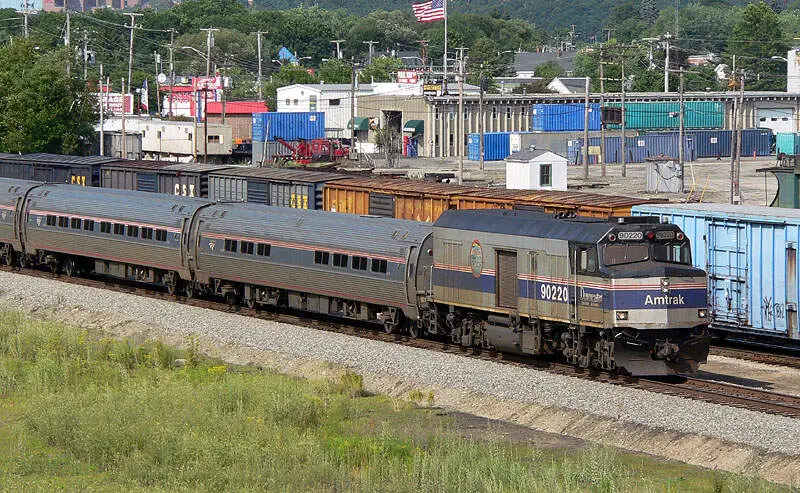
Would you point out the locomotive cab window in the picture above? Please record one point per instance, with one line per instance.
(321, 258)
(379, 265)
(585, 257)
(625, 253)
(678, 253)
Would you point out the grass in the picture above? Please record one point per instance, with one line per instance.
(79, 413)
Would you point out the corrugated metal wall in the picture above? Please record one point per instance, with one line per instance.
(563, 117)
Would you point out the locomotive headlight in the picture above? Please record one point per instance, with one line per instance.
(622, 315)
(702, 313)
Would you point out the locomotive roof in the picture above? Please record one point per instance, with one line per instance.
(330, 230)
(124, 205)
(525, 223)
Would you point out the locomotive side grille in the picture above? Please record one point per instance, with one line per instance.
(507, 279)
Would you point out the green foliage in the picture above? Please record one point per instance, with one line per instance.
(383, 69)
(42, 109)
(335, 71)
(758, 36)
(549, 70)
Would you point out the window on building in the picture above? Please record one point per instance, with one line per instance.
(466, 113)
(88, 225)
(144, 134)
(75, 223)
(508, 112)
(147, 233)
(523, 111)
(158, 134)
(230, 245)
(322, 258)
(436, 114)
(359, 263)
(247, 247)
(339, 260)
(105, 227)
(494, 111)
(379, 265)
(63, 222)
(161, 235)
(189, 137)
(119, 229)
(214, 139)
(295, 102)
(133, 231)
(264, 249)
(51, 220)
(545, 175)
(335, 102)
(288, 101)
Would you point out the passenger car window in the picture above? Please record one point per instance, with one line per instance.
(321, 258)
(359, 263)
(379, 265)
(339, 260)
(264, 249)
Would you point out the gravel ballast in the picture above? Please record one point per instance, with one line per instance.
(425, 368)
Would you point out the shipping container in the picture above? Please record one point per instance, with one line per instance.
(132, 175)
(750, 254)
(496, 146)
(299, 189)
(186, 179)
(787, 143)
(613, 150)
(569, 117)
(662, 115)
(717, 143)
(288, 126)
(638, 149)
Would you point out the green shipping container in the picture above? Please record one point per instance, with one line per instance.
(787, 143)
(665, 115)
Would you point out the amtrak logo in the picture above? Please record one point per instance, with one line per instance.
(664, 300)
(476, 258)
(211, 244)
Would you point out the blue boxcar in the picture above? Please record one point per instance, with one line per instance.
(750, 254)
(496, 146)
(288, 126)
(563, 117)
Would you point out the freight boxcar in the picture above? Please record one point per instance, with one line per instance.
(750, 254)
(188, 179)
(54, 168)
(299, 189)
(133, 175)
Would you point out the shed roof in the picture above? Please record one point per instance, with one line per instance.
(528, 155)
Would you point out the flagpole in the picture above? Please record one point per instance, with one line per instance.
(444, 81)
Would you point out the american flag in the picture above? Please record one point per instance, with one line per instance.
(429, 11)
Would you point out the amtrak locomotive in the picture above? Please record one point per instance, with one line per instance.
(617, 295)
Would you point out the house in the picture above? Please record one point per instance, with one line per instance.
(536, 170)
(237, 114)
(568, 85)
(526, 62)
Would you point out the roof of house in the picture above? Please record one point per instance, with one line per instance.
(573, 84)
(332, 87)
(527, 60)
(237, 107)
(528, 155)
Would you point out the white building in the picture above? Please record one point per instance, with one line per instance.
(334, 100)
(568, 85)
(536, 170)
(176, 141)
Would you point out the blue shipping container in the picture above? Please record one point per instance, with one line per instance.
(717, 143)
(563, 117)
(750, 254)
(258, 127)
(496, 146)
(575, 150)
(650, 145)
(290, 126)
(787, 143)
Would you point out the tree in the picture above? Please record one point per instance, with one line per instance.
(335, 71)
(383, 69)
(756, 38)
(648, 11)
(549, 71)
(41, 108)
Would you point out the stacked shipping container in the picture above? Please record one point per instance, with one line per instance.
(563, 117)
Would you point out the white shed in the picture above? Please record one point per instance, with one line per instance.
(536, 170)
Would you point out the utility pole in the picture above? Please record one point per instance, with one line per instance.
(130, 49)
(66, 44)
(85, 54)
(338, 43)
(353, 77)
(586, 131)
(260, 89)
(371, 50)
(102, 111)
(444, 78)
(124, 136)
(666, 38)
(681, 157)
(209, 43)
(622, 138)
(157, 59)
(171, 68)
(737, 196)
(460, 119)
(602, 125)
(734, 149)
(25, 12)
(480, 117)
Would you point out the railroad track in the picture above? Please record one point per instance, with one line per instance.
(687, 387)
(757, 356)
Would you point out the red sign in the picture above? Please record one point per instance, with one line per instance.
(407, 76)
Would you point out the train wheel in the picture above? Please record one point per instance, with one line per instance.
(232, 300)
(389, 326)
(413, 330)
(23, 261)
(69, 267)
(189, 290)
(170, 280)
(9, 257)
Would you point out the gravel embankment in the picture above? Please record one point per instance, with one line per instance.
(771, 433)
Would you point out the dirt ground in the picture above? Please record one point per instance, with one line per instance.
(751, 374)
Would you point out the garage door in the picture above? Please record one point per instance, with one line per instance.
(778, 119)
